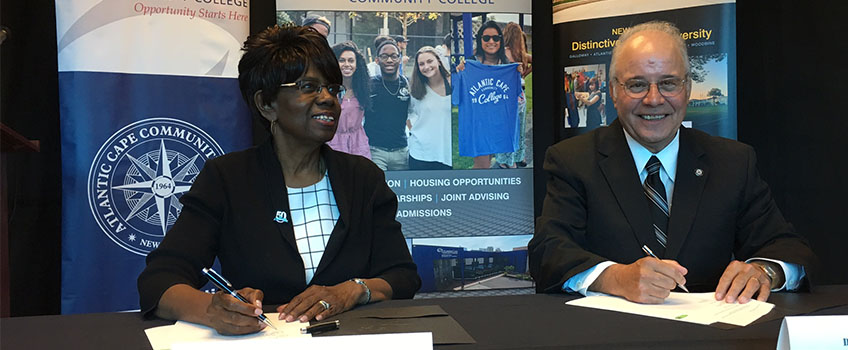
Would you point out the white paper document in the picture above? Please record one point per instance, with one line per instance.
(701, 308)
(813, 332)
(405, 341)
(165, 337)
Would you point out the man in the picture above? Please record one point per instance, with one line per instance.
(319, 23)
(719, 230)
(444, 51)
(402, 43)
(385, 121)
(374, 66)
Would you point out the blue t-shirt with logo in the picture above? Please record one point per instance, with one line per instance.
(487, 100)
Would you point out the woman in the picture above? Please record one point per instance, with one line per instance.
(429, 113)
(590, 102)
(248, 209)
(350, 135)
(490, 51)
(514, 48)
(473, 141)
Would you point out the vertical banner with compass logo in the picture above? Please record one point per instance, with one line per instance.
(148, 94)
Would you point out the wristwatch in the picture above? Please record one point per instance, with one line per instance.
(770, 272)
(367, 298)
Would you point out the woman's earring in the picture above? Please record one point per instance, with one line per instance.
(273, 127)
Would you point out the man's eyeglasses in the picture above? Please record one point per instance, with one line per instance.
(311, 87)
(496, 38)
(393, 57)
(638, 88)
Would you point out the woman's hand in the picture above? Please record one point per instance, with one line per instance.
(307, 305)
(221, 311)
(461, 66)
(229, 315)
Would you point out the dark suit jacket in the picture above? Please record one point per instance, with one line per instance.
(595, 210)
(228, 214)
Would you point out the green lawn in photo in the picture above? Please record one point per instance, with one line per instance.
(708, 118)
(458, 162)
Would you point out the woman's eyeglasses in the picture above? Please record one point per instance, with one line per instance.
(496, 38)
(311, 87)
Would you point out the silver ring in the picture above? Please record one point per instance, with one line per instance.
(324, 304)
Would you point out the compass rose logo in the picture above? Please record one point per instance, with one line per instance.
(138, 176)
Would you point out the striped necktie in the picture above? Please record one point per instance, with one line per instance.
(655, 191)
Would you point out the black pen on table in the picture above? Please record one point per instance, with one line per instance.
(321, 327)
(651, 253)
(225, 285)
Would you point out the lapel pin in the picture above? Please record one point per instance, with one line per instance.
(699, 172)
(281, 217)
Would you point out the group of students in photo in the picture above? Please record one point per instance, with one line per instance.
(404, 122)
(585, 98)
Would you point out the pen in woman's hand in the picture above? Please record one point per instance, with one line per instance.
(225, 285)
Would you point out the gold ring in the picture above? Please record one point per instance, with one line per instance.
(324, 304)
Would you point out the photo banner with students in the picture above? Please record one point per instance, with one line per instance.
(148, 93)
(587, 31)
(460, 148)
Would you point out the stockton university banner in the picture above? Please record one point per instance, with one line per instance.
(148, 94)
(587, 31)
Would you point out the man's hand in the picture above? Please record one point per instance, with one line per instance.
(740, 281)
(648, 280)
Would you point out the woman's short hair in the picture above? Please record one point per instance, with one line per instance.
(419, 81)
(282, 54)
(479, 39)
(360, 78)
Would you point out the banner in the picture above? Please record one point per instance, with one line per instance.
(587, 31)
(468, 221)
(148, 93)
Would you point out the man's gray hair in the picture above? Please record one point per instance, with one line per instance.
(660, 26)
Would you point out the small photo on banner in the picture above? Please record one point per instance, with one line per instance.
(403, 108)
(459, 264)
(586, 94)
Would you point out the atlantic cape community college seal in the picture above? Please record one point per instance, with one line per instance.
(138, 176)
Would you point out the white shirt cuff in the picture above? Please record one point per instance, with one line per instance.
(793, 274)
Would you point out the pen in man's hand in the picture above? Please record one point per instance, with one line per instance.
(651, 253)
(225, 285)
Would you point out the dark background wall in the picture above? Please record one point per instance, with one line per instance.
(791, 73)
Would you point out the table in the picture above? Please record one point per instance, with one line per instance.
(540, 321)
